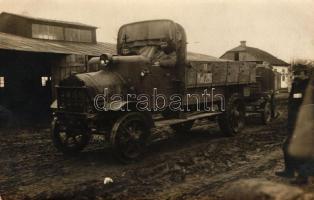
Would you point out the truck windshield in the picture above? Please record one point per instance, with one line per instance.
(148, 30)
(132, 37)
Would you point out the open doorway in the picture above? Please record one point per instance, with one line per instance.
(25, 85)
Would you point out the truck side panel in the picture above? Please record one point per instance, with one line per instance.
(233, 72)
(244, 73)
(219, 73)
(207, 74)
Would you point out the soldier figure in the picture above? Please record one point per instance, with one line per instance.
(296, 96)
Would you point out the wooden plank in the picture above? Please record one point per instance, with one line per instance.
(233, 73)
(219, 71)
(244, 73)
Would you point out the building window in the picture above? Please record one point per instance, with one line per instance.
(44, 80)
(236, 56)
(283, 77)
(1, 82)
(47, 32)
(78, 35)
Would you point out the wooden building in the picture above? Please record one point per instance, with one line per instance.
(35, 54)
(251, 54)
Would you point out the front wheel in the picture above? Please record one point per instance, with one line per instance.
(129, 137)
(231, 122)
(69, 141)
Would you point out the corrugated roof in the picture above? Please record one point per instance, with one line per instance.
(18, 43)
(260, 55)
(48, 20)
(191, 56)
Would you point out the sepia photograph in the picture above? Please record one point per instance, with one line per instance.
(163, 99)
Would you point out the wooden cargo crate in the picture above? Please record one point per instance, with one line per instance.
(207, 74)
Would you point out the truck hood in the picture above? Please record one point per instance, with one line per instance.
(97, 82)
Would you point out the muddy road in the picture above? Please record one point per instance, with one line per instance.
(195, 164)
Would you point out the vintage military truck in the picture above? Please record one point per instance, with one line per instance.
(152, 61)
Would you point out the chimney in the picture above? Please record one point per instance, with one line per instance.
(243, 43)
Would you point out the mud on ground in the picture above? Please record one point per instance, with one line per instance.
(195, 164)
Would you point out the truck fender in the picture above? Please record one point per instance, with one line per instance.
(129, 106)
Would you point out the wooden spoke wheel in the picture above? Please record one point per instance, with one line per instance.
(69, 141)
(129, 137)
(231, 122)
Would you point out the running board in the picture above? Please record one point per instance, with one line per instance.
(168, 122)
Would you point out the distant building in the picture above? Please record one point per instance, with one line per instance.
(251, 54)
(36, 54)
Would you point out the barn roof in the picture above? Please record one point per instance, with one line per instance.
(47, 20)
(260, 55)
(18, 43)
(191, 56)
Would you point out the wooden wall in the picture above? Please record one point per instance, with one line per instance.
(65, 66)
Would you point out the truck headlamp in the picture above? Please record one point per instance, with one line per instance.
(105, 60)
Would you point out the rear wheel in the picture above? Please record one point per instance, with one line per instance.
(69, 141)
(231, 122)
(129, 137)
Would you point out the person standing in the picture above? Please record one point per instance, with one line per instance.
(296, 96)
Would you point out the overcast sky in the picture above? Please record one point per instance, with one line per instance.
(282, 27)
